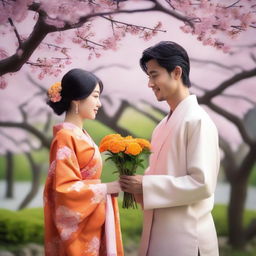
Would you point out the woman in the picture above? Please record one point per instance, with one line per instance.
(81, 213)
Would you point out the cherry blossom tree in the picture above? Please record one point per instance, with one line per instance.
(56, 21)
(52, 25)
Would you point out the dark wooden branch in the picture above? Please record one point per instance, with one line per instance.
(232, 118)
(9, 175)
(145, 113)
(129, 24)
(23, 53)
(226, 84)
(46, 142)
(247, 164)
(250, 232)
(41, 29)
(240, 97)
(15, 31)
(155, 108)
(218, 64)
(35, 185)
(173, 13)
(228, 162)
(109, 66)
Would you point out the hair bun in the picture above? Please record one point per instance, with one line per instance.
(59, 107)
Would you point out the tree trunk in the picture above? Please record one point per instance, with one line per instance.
(36, 175)
(236, 211)
(9, 175)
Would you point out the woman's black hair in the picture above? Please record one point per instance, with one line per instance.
(76, 84)
(168, 55)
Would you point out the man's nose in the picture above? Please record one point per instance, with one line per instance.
(150, 84)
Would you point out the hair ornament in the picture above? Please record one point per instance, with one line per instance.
(54, 92)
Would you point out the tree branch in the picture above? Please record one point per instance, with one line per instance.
(128, 24)
(41, 29)
(44, 140)
(174, 14)
(229, 67)
(226, 84)
(251, 230)
(15, 31)
(228, 162)
(232, 118)
(240, 97)
(23, 53)
(247, 163)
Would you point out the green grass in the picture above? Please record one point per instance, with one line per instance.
(22, 167)
(220, 218)
(137, 123)
(252, 179)
(27, 226)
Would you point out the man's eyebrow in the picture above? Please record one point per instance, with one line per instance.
(152, 72)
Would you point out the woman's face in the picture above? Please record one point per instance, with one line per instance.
(89, 106)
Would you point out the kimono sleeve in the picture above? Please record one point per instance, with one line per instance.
(160, 191)
(75, 199)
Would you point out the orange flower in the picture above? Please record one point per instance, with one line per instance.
(109, 137)
(104, 146)
(116, 145)
(144, 143)
(113, 143)
(133, 148)
(54, 92)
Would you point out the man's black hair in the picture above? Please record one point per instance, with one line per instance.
(168, 55)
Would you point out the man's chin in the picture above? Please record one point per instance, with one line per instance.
(160, 99)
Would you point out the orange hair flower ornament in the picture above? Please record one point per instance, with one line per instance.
(54, 92)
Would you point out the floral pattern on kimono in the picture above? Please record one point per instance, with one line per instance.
(93, 247)
(67, 221)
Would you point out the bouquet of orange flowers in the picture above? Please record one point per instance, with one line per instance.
(126, 153)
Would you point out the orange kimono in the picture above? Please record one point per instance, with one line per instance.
(76, 205)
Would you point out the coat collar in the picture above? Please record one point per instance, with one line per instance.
(165, 126)
(79, 133)
(64, 125)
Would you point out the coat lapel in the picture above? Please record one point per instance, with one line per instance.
(165, 127)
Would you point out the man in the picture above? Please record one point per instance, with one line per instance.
(177, 190)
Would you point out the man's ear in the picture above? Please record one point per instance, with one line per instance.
(177, 73)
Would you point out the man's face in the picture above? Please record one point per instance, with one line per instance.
(161, 81)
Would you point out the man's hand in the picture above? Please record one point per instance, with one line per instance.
(131, 184)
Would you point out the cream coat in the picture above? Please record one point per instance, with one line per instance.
(179, 185)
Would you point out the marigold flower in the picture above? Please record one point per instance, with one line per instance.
(126, 153)
(54, 92)
(109, 137)
(133, 148)
(116, 146)
(144, 143)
